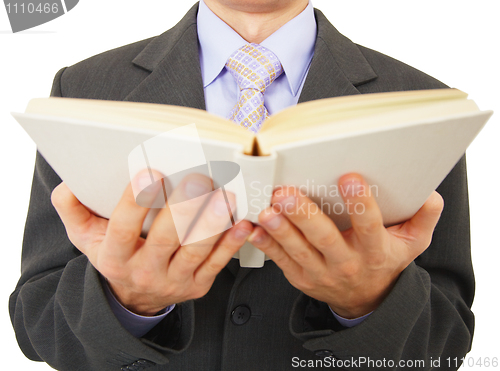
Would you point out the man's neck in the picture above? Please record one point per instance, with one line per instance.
(255, 21)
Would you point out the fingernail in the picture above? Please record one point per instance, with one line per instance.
(273, 223)
(145, 183)
(241, 234)
(220, 208)
(353, 188)
(288, 203)
(195, 189)
(256, 237)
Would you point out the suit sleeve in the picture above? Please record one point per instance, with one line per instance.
(59, 309)
(427, 315)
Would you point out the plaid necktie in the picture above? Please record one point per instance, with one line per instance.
(254, 68)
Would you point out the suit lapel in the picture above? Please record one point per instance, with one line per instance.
(337, 66)
(173, 60)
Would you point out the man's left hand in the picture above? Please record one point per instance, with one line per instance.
(354, 270)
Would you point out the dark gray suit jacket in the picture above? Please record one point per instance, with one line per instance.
(59, 310)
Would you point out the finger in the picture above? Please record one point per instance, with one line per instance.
(212, 222)
(264, 242)
(187, 202)
(421, 226)
(125, 223)
(316, 227)
(79, 222)
(222, 253)
(165, 234)
(290, 238)
(215, 218)
(365, 215)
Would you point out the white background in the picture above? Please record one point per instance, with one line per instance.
(453, 40)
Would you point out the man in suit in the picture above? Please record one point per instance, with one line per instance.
(355, 297)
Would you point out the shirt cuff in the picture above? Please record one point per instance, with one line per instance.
(349, 322)
(135, 324)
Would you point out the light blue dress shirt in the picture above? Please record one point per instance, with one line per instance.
(217, 42)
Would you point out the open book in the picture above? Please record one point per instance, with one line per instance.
(403, 143)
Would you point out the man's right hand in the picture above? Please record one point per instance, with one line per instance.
(148, 274)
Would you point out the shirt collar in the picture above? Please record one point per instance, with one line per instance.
(218, 41)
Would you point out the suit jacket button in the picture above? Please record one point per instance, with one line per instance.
(323, 353)
(240, 315)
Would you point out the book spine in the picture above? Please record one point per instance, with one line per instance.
(258, 174)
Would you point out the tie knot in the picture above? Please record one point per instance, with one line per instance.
(254, 67)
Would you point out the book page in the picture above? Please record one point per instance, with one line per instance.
(149, 116)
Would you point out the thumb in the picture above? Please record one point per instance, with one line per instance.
(421, 226)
